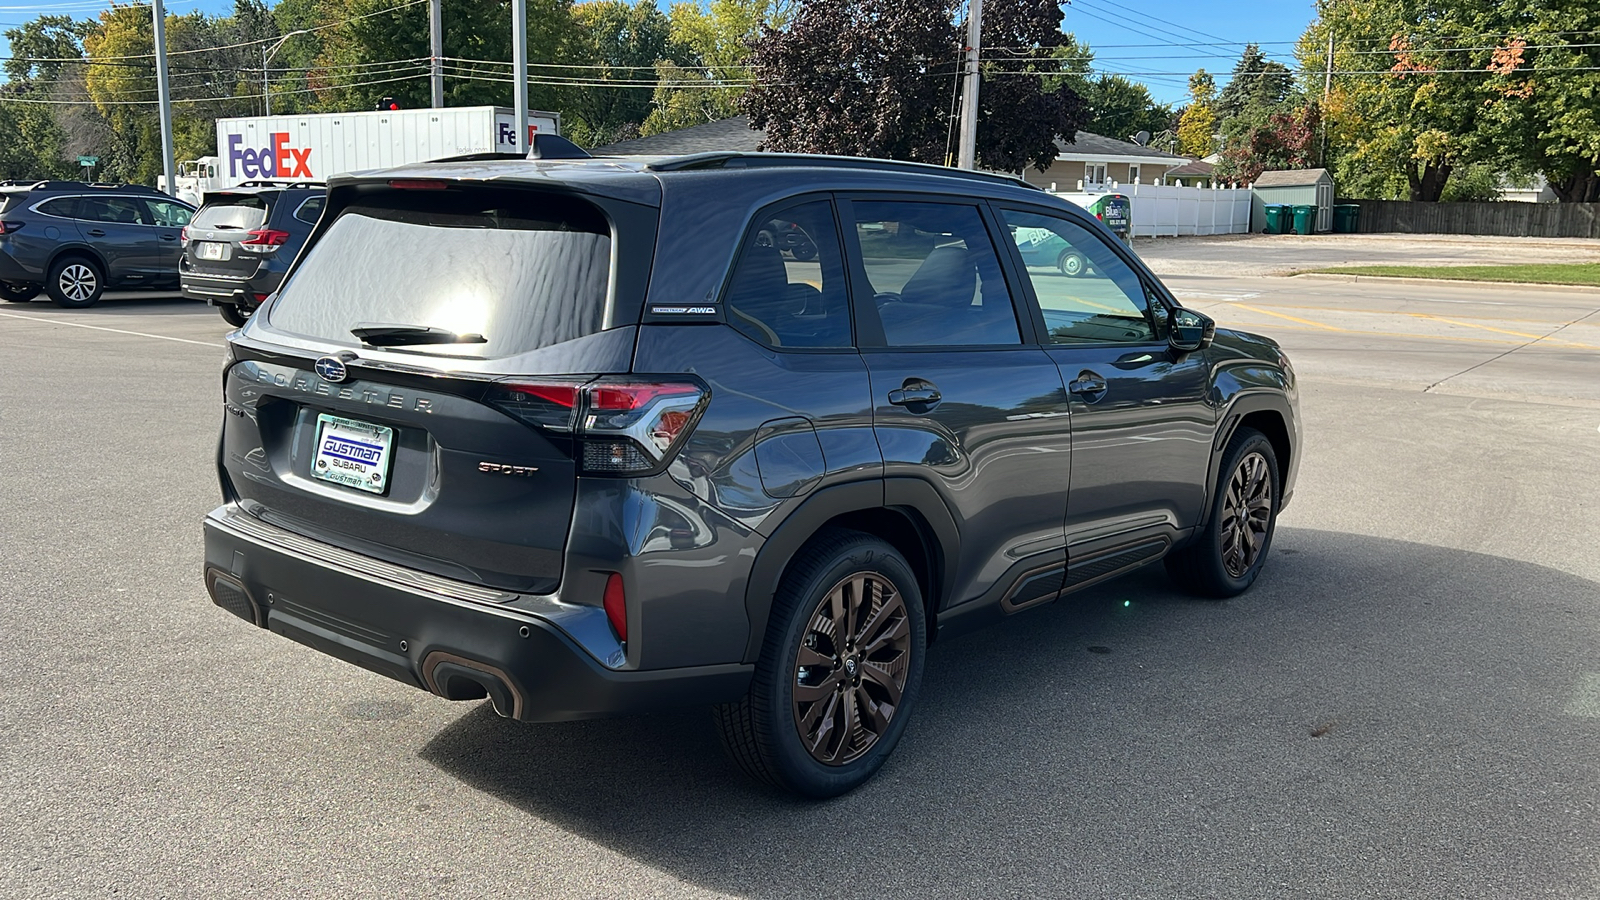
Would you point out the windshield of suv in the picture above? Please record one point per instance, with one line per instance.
(524, 270)
(242, 212)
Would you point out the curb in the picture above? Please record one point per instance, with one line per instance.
(1439, 282)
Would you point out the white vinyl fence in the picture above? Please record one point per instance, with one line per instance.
(1167, 210)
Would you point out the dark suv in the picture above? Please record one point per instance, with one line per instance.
(76, 240)
(242, 241)
(576, 436)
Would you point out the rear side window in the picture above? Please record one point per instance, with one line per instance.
(242, 212)
(115, 210)
(310, 210)
(62, 207)
(523, 269)
(788, 287)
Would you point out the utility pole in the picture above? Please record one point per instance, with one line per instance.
(164, 94)
(967, 155)
(519, 72)
(436, 47)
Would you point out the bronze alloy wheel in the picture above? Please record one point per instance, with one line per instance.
(1246, 514)
(851, 668)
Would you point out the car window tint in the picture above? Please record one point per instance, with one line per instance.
(167, 213)
(64, 207)
(934, 275)
(788, 286)
(1085, 290)
(237, 212)
(115, 210)
(310, 210)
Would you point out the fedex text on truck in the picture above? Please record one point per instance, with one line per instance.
(276, 160)
(507, 133)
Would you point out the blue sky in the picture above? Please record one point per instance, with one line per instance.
(1151, 39)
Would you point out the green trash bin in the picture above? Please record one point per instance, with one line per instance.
(1276, 214)
(1345, 218)
(1304, 219)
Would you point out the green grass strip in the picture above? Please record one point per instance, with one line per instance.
(1532, 273)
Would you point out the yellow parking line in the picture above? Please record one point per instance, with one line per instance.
(1267, 312)
(1537, 337)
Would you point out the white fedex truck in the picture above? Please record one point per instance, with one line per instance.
(314, 147)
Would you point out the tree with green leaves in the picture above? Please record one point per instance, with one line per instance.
(1120, 108)
(1197, 124)
(708, 71)
(625, 41)
(879, 78)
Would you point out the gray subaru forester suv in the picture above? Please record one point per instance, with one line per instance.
(580, 437)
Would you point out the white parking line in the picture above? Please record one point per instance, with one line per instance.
(159, 337)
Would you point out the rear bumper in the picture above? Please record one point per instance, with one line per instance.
(418, 634)
(238, 291)
(13, 271)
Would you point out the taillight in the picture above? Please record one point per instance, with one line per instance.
(183, 235)
(264, 240)
(417, 184)
(7, 227)
(625, 427)
(616, 605)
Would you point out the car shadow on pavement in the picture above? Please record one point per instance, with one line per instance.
(1375, 717)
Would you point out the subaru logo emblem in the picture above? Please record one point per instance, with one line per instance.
(330, 368)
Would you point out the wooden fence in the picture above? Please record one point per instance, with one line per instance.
(1503, 219)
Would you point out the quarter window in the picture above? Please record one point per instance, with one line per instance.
(934, 274)
(310, 210)
(61, 207)
(788, 286)
(1086, 292)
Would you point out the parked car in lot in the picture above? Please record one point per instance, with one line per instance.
(75, 240)
(574, 436)
(242, 240)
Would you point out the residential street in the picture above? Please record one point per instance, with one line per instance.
(1406, 705)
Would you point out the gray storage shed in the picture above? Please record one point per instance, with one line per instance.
(1293, 187)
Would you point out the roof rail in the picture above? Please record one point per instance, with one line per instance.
(737, 160)
(92, 185)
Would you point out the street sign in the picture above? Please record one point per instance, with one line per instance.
(88, 160)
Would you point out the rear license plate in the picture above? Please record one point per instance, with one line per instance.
(354, 454)
(211, 250)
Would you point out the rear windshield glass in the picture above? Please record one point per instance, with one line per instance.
(524, 270)
(243, 213)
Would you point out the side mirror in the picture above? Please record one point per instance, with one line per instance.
(1191, 331)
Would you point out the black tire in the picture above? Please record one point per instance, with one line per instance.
(234, 315)
(19, 293)
(1072, 263)
(76, 282)
(1228, 554)
(763, 732)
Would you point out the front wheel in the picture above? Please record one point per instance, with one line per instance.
(840, 671)
(19, 293)
(1226, 557)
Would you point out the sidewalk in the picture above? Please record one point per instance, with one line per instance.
(1283, 254)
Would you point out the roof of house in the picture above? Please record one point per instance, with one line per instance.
(732, 134)
(1197, 169)
(735, 134)
(1291, 177)
(1100, 146)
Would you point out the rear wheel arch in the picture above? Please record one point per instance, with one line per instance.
(906, 513)
(79, 250)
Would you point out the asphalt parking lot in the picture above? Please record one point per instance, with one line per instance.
(1406, 705)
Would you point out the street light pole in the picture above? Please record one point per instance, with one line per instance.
(267, 53)
(967, 157)
(164, 93)
(436, 47)
(519, 73)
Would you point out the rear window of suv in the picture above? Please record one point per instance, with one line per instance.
(521, 268)
(242, 212)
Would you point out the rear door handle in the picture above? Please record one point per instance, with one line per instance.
(1088, 383)
(169, 237)
(95, 232)
(911, 396)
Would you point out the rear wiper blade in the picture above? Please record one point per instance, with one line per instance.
(412, 335)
